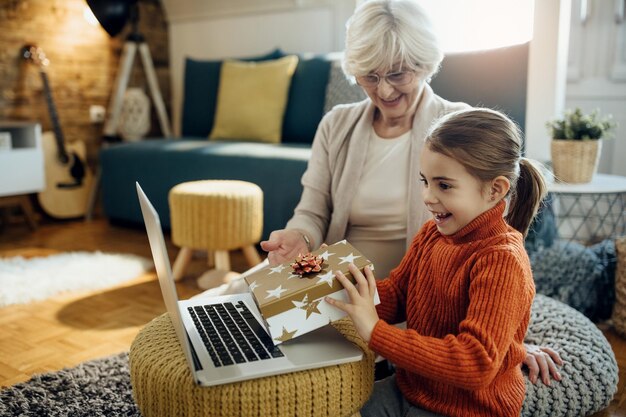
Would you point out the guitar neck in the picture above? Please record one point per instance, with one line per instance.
(54, 117)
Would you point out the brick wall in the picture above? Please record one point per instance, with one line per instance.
(83, 63)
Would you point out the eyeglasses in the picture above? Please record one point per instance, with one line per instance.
(395, 79)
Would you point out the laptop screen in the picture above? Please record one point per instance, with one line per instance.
(164, 270)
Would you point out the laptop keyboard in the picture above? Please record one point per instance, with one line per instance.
(232, 335)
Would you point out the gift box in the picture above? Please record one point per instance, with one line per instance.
(293, 304)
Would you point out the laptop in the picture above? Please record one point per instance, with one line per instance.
(224, 338)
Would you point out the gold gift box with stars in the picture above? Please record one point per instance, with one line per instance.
(293, 305)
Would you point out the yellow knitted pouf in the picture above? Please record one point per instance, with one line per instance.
(163, 385)
(216, 216)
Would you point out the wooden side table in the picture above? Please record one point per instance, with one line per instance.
(589, 213)
(24, 203)
(217, 216)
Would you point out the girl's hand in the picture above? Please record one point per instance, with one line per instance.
(361, 308)
(542, 362)
(284, 245)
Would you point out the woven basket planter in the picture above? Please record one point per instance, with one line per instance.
(575, 161)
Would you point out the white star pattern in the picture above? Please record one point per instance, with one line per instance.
(276, 292)
(342, 242)
(278, 269)
(326, 255)
(303, 303)
(253, 286)
(293, 276)
(327, 278)
(349, 259)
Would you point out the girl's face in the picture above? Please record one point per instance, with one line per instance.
(451, 194)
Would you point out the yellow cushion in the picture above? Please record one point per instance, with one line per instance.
(252, 98)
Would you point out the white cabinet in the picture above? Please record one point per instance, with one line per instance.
(21, 163)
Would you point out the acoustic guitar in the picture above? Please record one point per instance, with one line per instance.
(68, 178)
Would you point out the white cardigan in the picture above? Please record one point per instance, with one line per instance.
(338, 154)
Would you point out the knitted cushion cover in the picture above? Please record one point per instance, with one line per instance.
(163, 385)
(590, 371)
(582, 277)
(339, 89)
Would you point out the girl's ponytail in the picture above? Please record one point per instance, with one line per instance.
(526, 198)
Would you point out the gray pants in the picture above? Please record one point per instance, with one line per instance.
(388, 401)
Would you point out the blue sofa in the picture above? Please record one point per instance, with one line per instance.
(159, 164)
(498, 79)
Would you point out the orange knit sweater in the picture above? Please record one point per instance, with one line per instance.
(466, 299)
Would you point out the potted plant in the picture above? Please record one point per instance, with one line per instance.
(576, 144)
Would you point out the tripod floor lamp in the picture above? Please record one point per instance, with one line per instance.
(113, 16)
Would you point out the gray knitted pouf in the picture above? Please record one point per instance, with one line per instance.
(590, 370)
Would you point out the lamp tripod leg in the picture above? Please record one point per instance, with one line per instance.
(153, 83)
(113, 113)
(121, 81)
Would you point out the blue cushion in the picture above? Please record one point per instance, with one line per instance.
(202, 79)
(305, 106)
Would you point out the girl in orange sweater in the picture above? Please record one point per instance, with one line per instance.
(465, 286)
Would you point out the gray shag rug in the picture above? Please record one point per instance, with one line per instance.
(99, 387)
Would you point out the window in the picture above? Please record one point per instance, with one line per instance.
(469, 25)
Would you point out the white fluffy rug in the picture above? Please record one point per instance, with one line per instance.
(25, 280)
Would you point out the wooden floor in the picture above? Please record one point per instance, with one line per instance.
(68, 329)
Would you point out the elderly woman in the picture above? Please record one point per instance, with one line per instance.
(362, 181)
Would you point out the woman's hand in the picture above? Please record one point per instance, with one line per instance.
(361, 308)
(284, 245)
(542, 362)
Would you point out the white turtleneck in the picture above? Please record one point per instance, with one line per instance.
(377, 224)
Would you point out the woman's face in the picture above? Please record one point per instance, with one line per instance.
(395, 101)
